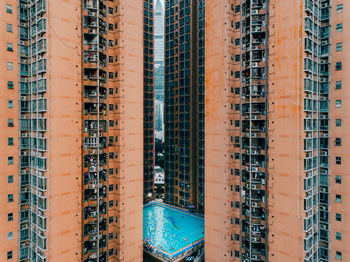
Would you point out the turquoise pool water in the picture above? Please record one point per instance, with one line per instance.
(169, 230)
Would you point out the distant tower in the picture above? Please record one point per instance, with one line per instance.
(159, 50)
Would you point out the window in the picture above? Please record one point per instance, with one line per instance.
(9, 66)
(9, 84)
(9, 28)
(110, 42)
(9, 9)
(9, 255)
(338, 141)
(111, 123)
(10, 47)
(237, 58)
(236, 253)
(338, 217)
(237, 74)
(110, 252)
(236, 220)
(10, 122)
(110, 204)
(10, 198)
(9, 235)
(111, 155)
(339, 27)
(110, 59)
(10, 179)
(10, 141)
(338, 122)
(110, 10)
(237, 91)
(237, 188)
(237, 25)
(338, 85)
(338, 103)
(338, 66)
(110, 187)
(10, 217)
(10, 103)
(338, 179)
(110, 27)
(237, 9)
(339, 47)
(338, 160)
(236, 237)
(338, 198)
(237, 41)
(338, 255)
(110, 220)
(340, 8)
(10, 160)
(338, 236)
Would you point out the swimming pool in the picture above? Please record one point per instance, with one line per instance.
(169, 230)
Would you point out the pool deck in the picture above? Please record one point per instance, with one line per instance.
(178, 255)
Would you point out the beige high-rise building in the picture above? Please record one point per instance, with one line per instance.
(72, 112)
(276, 130)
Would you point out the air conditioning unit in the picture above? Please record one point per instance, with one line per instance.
(323, 227)
(254, 64)
(254, 169)
(254, 12)
(254, 204)
(253, 186)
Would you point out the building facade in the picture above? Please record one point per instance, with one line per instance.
(184, 103)
(339, 179)
(275, 130)
(148, 121)
(9, 141)
(73, 136)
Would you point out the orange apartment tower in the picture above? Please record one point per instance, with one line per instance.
(276, 137)
(72, 135)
